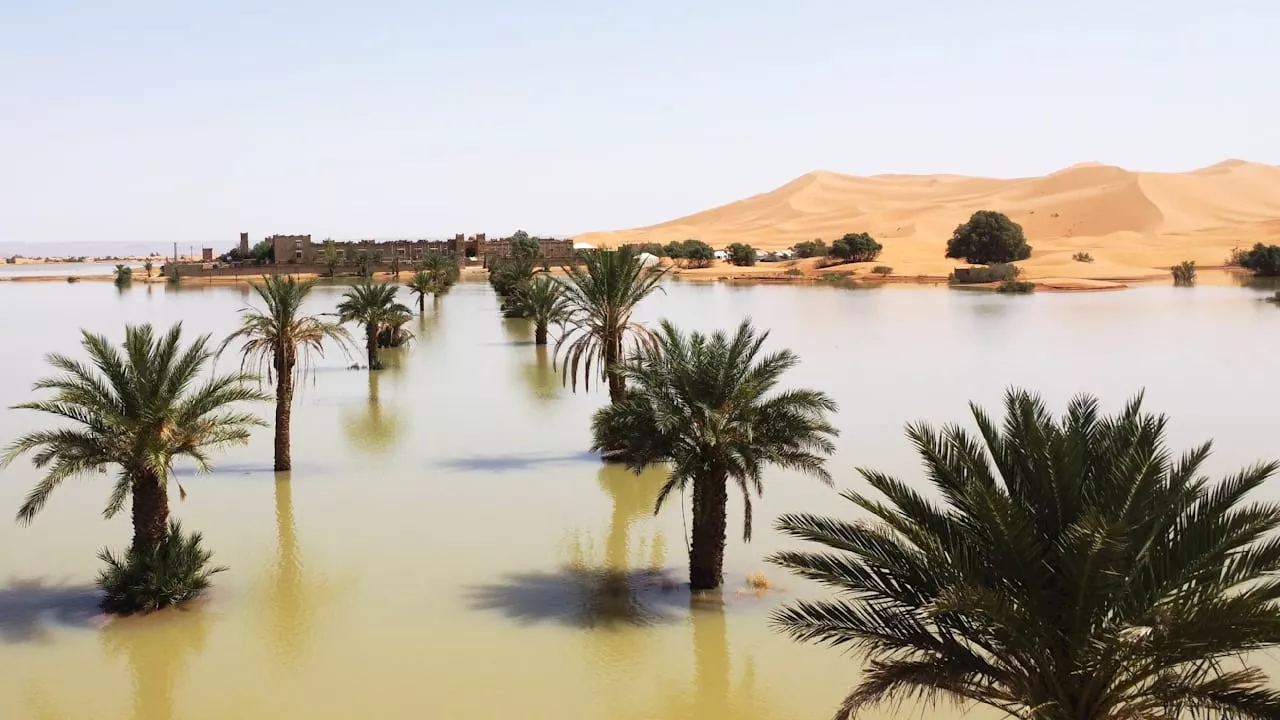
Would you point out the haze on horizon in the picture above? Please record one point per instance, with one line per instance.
(157, 124)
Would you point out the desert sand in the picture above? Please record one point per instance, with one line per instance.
(1134, 224)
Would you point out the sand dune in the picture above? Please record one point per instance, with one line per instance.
(1134, 224)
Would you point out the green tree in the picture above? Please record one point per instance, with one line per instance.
(278, 341)
(134, 409)
(524, 248)
(443, 269)
(364, 264)
(395, 264)
(124, 276)
(1058, 569)
(709, 407)
(810, 248)
(263, 252)
(421, 285)
(602, 293)
(696, 253)
(330, 257)
(541, 300)
(374, 306)
(856, 247)
(1261, 259)
(507, 274)
(989, 237)
(741, 254)
(147, 267)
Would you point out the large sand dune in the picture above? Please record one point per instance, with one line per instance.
(1134, 224)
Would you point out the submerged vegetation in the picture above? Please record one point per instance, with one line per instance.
(141, 581)
(1068, 567)
(374, 306)
(1016, 287)
(1000, 272)
(1184, 273)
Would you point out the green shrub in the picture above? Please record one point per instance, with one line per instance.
(1000, 272)
(794, 271)
(691, 253)
(810, 248)
(1016, 286)
(856, 247)
(1184, 273)
(741, 254)
(124, 275)
(175, 572)
(988, 237)
(1083, 257)
(882, 270)
(1262, 260)
(72, 279)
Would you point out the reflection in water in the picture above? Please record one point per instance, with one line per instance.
(157, 648)
(288, 611)
(372, 429)
(428, 324)
(519, 331)
(540, 375)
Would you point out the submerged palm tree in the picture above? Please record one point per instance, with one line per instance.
(442, 268)
(601, 296)
(279, 339)
(421, 285)
(136, 411)
(373, 306)
(1070, 568)
(542, 301)
(124, 275)
(707, 406)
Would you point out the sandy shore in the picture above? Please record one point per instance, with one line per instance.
(1135, 225)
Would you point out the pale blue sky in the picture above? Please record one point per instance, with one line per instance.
(189, 122)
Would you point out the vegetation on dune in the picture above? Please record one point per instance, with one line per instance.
(987, 238)
(1083, 257)
(601, 295)
(1184, 273)
(542, 300)
(856, 247)
(741, 254)
(1261, 259)
(882, 270)
(810, 248)
(1060, 568)
(135, 409)
(374, 306)
(277, 342)
(709, 406)
(691, 253)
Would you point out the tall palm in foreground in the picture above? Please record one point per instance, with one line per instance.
(137, 411)
(708, 406)
(1070, 568)
(374, 306)
(421, 285)
(278, 341)
(601, 296)
(541, 300)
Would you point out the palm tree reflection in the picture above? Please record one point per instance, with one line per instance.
(373, 429)
(289, 619)
(157, 649)
(540, 376)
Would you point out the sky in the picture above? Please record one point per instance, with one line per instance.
(190, 122)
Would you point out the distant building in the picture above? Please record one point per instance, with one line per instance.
(301, 250)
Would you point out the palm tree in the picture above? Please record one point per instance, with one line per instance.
(705, 405)
(372, 305)
(137, 411)
(601, 296)
(147, 265)
(442, 268)
(421, 285)
(541, 300)
(124, 275)
(278, 342)
(1069, 568)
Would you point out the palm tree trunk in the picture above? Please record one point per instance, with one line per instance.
(540, 335)
(371, 344)
(710, 518)
(150, 512)
(284, 412)
(422, 303)
(612, 355)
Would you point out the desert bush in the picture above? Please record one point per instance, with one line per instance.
(1184, 273)
(741, 254)
(176, 571)
(999, 272)
(794, 272)
(810, 248)
(1016, 287)
(856, 247)
(690, 253)
(1083, 257)
(988, 237)
(882, 270)
(1261, 259)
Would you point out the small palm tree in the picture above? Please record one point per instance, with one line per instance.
(601, 296)
(373, 306)
(124, 275)
(136, 411)
(707, 406)
(442, 267)
(421, 285)
(1068, 568)
(147, 265)
(278, 341)
(542, 301)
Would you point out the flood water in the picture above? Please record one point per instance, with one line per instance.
(445, 548)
